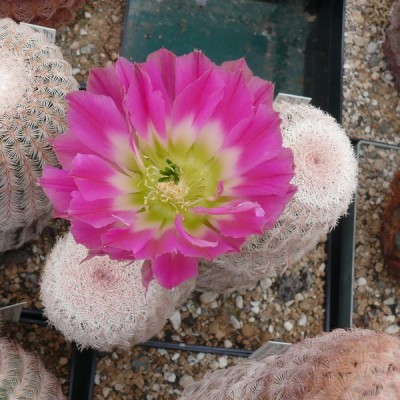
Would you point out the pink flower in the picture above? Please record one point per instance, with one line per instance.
(172, 160)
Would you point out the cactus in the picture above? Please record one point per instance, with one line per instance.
(50, 13)
(34, 80)
(326, 178)
(340, 365)
(391, 45)
(390, 229)
(102, 303)
(23, 376)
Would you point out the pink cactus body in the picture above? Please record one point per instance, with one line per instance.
(34, 79)
(51, 13)
(340, 365)
(326, 179)
(169, 161)
(23, 376)
(101, 303)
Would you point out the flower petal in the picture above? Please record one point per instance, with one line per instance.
(124, 71)
(189, 68)
(236, 221)
(172, 269)
(67, 146)
(259, 138)
(160, 67)
(93, 177)
(270, 177)
(274, 206)
(147, 274)
(145, 106)
(127, 239)
(104, 81)
(191, 239)
(58, 185)
(97, 122)
(161, 243)
(236, 97)
(197, 101)
(262, 90)
(238, 65)
(98, 213)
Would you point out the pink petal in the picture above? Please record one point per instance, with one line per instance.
(97, 213)
(173, 269)
(239, 220)
(198, 100)
(209, 245)
(58, 186)
(236, 97)
(270, 177)
(160, 66)
(145, 106)
(259, 138)
(263, 91)
(127, 239)
(189, 68)
(124, 71)
(97, 122)
(231, 209)
(87, 235)
(67, 146)
(274, 206)
(147, 274)
(191, 239)
(238, 65)
(93, 176)
(105, 81)
(162, 243)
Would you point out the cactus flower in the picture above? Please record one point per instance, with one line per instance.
(171, 160)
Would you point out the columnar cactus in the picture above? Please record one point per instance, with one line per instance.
(102, 303)
(390, 229)
(391, 46)
(326, 178)
(50, 13)
(23, 376)
(34, 80)
(340, 365)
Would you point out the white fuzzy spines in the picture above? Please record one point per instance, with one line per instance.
(23, 376)
(326, 179)
(340, 365)
(101, 303)
(34, 80)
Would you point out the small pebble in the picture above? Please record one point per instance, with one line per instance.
(239, 302)
(302, 320)
(361, 281)
(185, 381)
(175, 319)
(372, 47)
(170, 377)
(288, 326)
(392, 329)
(234, 322)
(63, 361)
(222, 361)
(208, 297)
